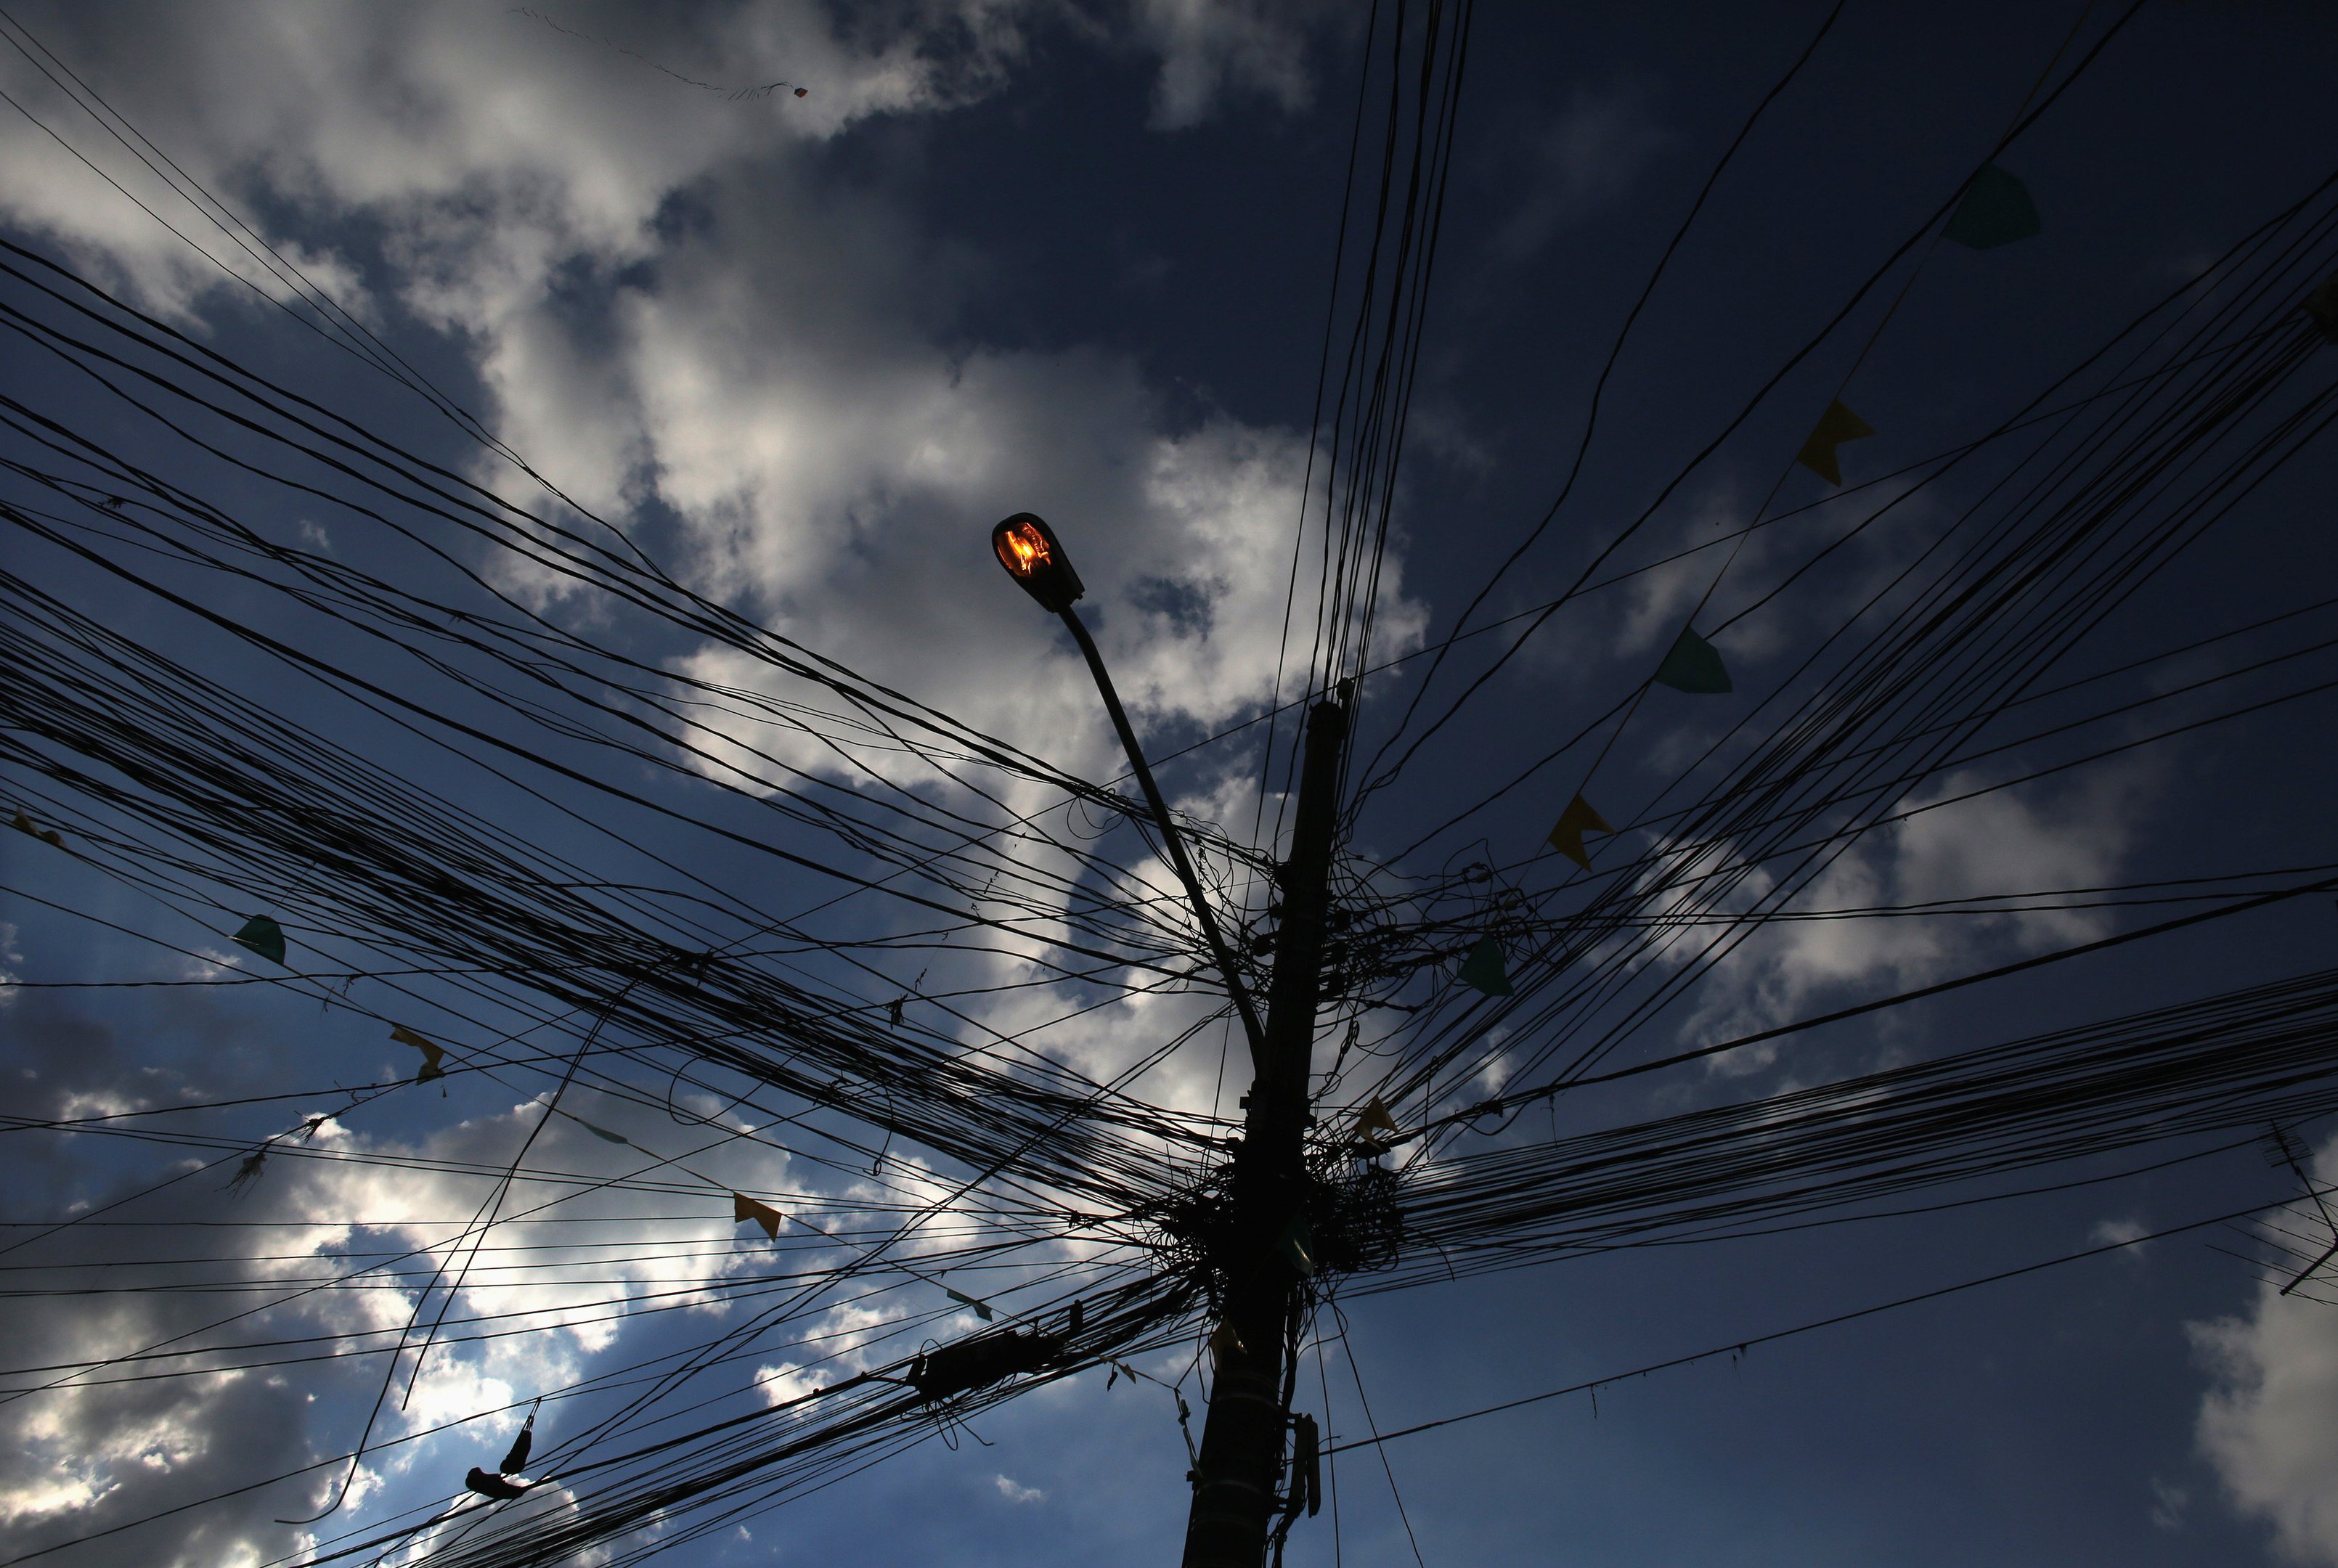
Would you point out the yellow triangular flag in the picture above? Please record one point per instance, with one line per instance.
(745, 1208)
(1374, 1125)
(432, 1052)
(1224, 1341)
(1577, 819)
(1835, 427)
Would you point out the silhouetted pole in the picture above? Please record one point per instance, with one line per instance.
(1241, 1442)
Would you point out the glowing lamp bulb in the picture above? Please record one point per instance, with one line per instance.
(1033, 557)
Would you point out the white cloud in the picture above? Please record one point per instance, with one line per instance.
(1658, 603)
(666, 305)
(1015, 1493)
(89, 1454)
(1993, 844)
(2269, 1421)
(98, 1452)
(669, 307)
(129, 1440)
(784, 1382)
(1216, 49)
(1577, 161)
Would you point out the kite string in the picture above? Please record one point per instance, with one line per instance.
(735, 95)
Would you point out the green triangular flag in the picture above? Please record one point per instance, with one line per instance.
(1694, 666)
(1485, 968)
(981, 1310)
(264, 937)
(1835, 427)
(1996, 211)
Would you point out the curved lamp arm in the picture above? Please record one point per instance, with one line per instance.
(1172, 839)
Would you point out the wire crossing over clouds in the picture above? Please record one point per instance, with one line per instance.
(661, 980)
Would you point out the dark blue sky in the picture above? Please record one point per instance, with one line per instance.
(1079, 261)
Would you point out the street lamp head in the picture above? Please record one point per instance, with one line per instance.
(1027, 548)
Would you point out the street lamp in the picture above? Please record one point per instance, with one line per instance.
(1236, 1472)
(1035, 558)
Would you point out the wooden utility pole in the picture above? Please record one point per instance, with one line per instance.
(1241, 1441)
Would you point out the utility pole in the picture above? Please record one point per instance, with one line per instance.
(1263, 1256)
(1241, 1441)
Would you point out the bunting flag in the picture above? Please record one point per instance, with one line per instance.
(1577, 819)
(1485, 968)
(48, 835)
(745, 1208)
(981, 1308)
(1996, 211)
(432, 1053)
(1835, 427)
(515, 1461)
(264, 937)
(502, 1488)
(1223, 1342)
(1375, 1128)
(1298, 1247)
(1694, 666)
(1306, 1467)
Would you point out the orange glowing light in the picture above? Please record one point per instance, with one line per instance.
(1022, 549)
(1027, 547)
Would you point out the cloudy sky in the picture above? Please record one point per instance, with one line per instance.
(1077, 259)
